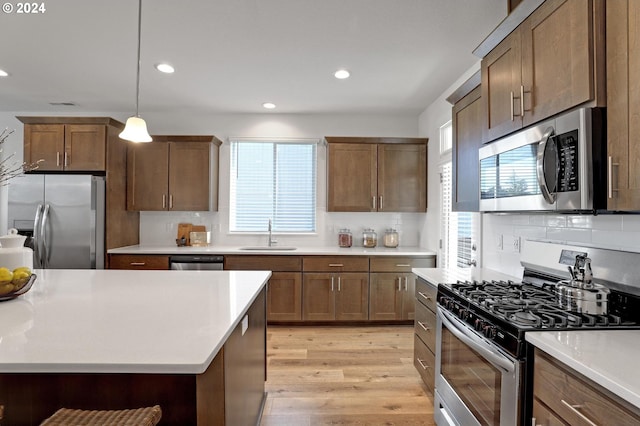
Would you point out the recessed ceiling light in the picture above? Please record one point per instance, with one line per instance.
(269, 105)
(342, 74)
(3, 73)
(165, 68)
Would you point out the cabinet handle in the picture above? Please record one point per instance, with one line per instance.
(399, 283)
(374, 202)
(522, 101)
(57, 158)
(422, 364)
(512, 98)
(610, 166)
(331, 283)
(380, 206)
(403, 265)
(338, 283)
(424, 327)
(170, 201)
(574, 408)
(336, 265)
(66, 159)
(164, 201)
(137, 263)
(406, 283)
(424, 295)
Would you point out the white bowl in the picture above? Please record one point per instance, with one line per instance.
(13, 239)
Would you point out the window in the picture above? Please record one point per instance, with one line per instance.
(458, 231)
(273, 180)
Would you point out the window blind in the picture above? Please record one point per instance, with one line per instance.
(272, 180)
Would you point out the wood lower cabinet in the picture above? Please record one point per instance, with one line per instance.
(376, 174)
(138, 261)
(521, 81)
(564, 396)
(467, 140)
(623, 104)
(335, 288)
(175, 173)
(284, 290)
(425, 331)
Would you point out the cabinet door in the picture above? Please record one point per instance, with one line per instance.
(44, 142)
(385, 300)
(467, 140)
(85, 147)
(557, 58)
(402, 178)
(189, 176)
(351, 177)
(501, 82)
(284, 296)
(623, 104)
(147, 176)
(542, 416)
(318, 297)
(352, 296)
(408, 297)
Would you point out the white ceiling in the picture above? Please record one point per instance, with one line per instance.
(232, 55)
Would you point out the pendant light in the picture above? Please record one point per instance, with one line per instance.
(135, 130)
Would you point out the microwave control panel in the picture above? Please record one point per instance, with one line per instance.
(567, 145)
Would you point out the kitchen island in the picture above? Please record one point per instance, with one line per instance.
(191, 341)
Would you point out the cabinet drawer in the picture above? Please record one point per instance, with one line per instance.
(335, 264)
(424, 361)
(400, 264)
(426, 294)
(425, 326)
(263, 263)
(543, 416)
(573, 397)
(138, 261)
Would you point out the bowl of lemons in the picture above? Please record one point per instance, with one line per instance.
(15, 283)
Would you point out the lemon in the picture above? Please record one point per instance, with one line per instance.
(6, 288)
(23, 269)
(5, 275)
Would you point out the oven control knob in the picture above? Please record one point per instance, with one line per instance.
(489, 331)
(463, 314)
(478, 324)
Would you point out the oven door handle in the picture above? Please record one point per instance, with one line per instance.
(493, 356)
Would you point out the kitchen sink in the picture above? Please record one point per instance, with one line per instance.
(267, 248)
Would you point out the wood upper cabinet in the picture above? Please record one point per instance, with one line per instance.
(376, 174)
(467, 140)
(623, 105)
(173, 173)
(68, 143)
(552, 62)
(561, 393)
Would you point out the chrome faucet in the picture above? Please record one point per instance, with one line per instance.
(271, 240)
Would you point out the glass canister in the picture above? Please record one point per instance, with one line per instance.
(345, 239)
(391, 238)
(369, 238)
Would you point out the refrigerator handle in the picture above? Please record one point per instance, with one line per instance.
(36, 237)
(46, 255)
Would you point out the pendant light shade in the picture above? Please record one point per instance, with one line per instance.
(135, 130)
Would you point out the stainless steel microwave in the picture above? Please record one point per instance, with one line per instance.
(557, 165)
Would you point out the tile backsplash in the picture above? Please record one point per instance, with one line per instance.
(618, 232)
(160, 228)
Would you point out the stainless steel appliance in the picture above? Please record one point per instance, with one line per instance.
(196, 262)
(483, 363)
(557, 165)
(64, 217)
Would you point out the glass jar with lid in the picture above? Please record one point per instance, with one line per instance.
(369, 238)
(345, 238)
(391, 238)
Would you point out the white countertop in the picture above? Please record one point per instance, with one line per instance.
(309, 251)
(122, 321)
(608, 357)
(452, 275)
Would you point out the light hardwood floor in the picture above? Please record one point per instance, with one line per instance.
(344, 376)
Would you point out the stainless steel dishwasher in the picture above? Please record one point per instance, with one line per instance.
(196, 262)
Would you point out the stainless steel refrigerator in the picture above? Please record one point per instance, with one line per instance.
(63, 216)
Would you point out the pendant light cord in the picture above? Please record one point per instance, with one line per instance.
(138, 70)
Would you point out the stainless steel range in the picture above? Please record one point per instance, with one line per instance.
(483, 363)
